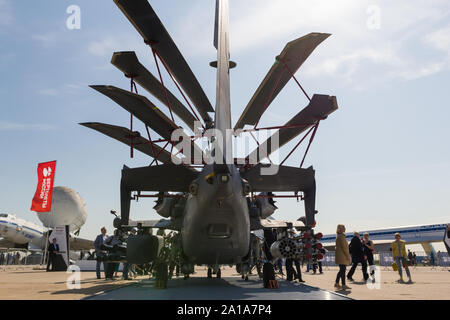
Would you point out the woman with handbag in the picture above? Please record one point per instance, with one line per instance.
(342, 257)
(399, 255)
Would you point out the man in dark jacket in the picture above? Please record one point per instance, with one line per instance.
(53, 250)
(99, 241)
(357, 252)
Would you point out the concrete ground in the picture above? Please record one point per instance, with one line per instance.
(428, 284)
(24, 283)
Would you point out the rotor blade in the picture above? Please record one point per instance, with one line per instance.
(163, 178)
(142, 108)
(149, 114)
(293, 55)
(124, 135)
(286, 179)
(147, 23)
(128, 63)
(320, 107)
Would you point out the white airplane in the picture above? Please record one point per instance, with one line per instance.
(21, 234)
(18, 233)
(383, 238)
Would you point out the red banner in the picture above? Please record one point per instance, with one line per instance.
(42, 201)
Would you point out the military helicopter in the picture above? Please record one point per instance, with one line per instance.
(212, 199)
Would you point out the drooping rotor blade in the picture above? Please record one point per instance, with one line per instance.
(163, 178)
(293, 55)
(285, 179)
(320, 107)
(148, 24)
(142, 108)
(149, 114)
(128, 63)
(128, 137)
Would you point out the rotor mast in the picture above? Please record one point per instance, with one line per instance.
(223, 104)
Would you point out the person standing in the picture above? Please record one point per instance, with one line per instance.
(128, 268)
(369, 249)
(132, 267)
(357, 253)
(53, 250)
(414, 259)
(292, 274)
(113, 267)
(410, 257)
(98, 243)
(399, 255)
(342, 257)
(323, 252)
(432, 258)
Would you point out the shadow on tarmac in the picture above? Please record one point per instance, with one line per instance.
(218, 289)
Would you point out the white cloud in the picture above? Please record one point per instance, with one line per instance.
(440, 39)
(46, 39)
(121, 42)
(354, 52)
(68, 88)
(10, 126)
(48, 92)
(103, 47)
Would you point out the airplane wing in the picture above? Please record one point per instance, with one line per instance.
(77, 244)
(124, 135)
(320, 107)
(150, 27)
(128, 63)
(294, 55)
(268, 224)
(11, 245)
(380, 245)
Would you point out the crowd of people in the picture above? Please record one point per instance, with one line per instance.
(9, 258)
(295, 274)
(360, 251)
(111, 269)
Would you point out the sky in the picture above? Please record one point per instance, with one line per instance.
(381, 160)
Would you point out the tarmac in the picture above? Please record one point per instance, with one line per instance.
(25, 283)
